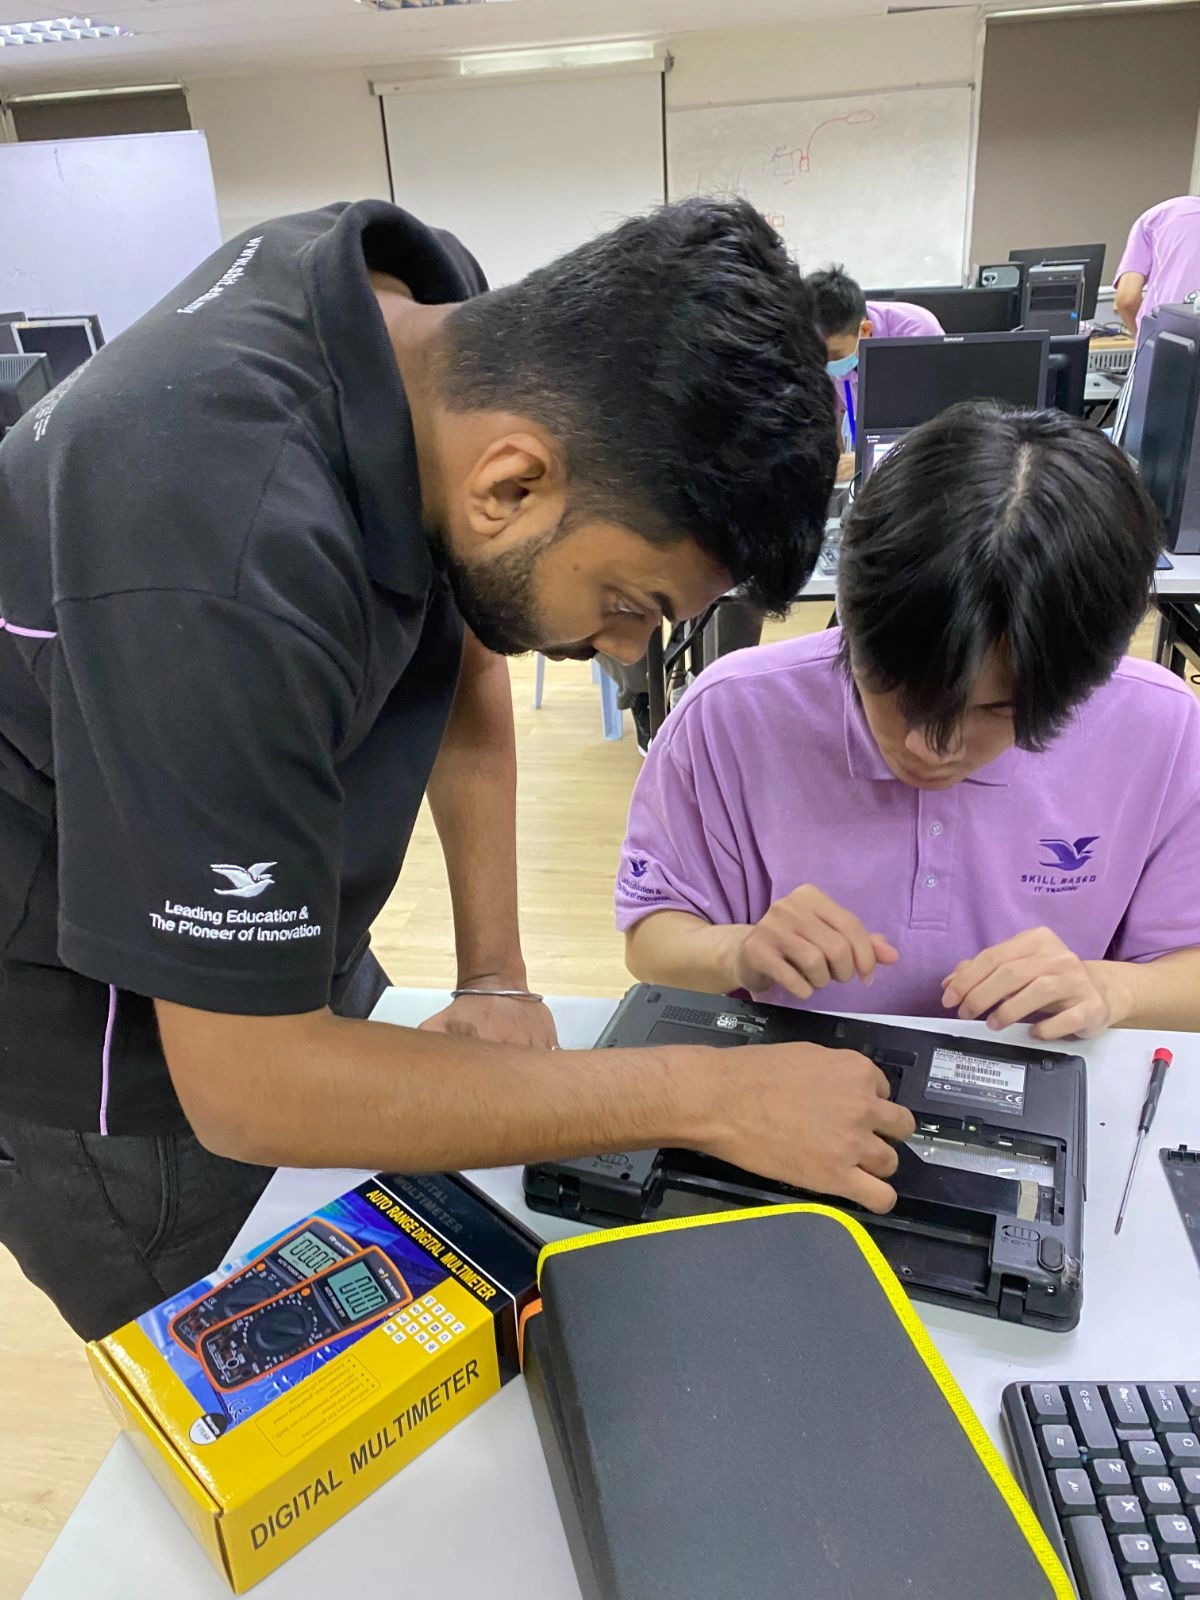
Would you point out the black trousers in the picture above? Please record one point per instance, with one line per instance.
(109, 1226)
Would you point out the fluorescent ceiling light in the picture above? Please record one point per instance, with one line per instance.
(1087, 6)
(59, 30)
(414, 5)
(553, 59)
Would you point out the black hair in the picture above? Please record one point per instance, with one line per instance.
(1024, 532)
(676, 362)
(839, 305)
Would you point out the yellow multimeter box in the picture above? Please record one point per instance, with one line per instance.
(273, 1396)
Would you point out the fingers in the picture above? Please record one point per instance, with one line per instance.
(885, 952)
(894, 1121)
(868, 1191)
(1050, 992)
(1032, 942)
(840, 945)
(1006, 980)
(1082, 1021)
(880, 1159)
(775, 968)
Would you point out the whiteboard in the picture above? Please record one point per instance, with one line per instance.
(876, 181)
(103, 225)
(522, 172)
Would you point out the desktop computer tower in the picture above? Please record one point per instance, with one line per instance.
(1162, 429)
(1052, 298)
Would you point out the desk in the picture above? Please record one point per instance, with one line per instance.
(476, 1512)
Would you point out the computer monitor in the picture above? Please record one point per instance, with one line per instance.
(1068, 370)
(68, 341)
(1162, 427)
(961, 310)
(1090, 256)
(24, 380)
(8, 339)
(904, 382)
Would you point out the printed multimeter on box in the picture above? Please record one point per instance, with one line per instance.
(349, 1296)
(313, 1246)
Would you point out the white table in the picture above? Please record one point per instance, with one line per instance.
(476, 1514)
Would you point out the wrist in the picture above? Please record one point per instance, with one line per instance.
(510, 974)
(698, 1094)
(727, 945)
(1113, 980)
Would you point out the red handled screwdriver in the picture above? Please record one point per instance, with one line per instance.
(1162, 1060)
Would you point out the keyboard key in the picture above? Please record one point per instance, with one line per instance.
(1189, 1483)
(1060, 1448)
(1183, 1449)
(1092, 1558)
(1092, 1426)
(1046, 1403)
(1174, 1534)
(1159, 1494)
(1122, 1513)
(1184, 1574)
(1110, 1474)
(1073, 1492)
(1191, 1399)
(1134, 1433)
(1135, 1552)
(1150, 1586)
(1165, 1405)
(1126, 1406)
(1145, 1455)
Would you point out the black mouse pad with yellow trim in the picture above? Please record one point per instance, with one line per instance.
(747, 1405)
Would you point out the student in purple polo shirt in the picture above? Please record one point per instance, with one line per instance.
(1161, 264)
(844, 316)
(964, 797)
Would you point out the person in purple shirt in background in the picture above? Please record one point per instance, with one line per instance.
(1161, 264)
(965, 796)
(844, 316)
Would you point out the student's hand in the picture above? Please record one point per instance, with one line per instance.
(523, 1022)
(845, 467)
(805, 942)
(1036, 974)
(818, 1119)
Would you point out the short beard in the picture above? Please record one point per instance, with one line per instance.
(495, 595)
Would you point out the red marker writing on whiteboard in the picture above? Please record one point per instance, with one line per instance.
(1162, 1060)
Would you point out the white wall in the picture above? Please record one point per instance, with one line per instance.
(817, 58)
(290, 142)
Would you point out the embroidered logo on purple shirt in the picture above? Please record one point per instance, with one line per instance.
(638, 867)
(1069, 857)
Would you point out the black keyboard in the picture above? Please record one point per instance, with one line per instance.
(1113, 1472)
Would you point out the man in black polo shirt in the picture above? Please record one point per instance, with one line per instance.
(238, 553)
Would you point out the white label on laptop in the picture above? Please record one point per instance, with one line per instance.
(977, 1081)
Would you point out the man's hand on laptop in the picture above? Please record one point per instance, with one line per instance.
(1034, 974)
(818, 1119)
(805, 942)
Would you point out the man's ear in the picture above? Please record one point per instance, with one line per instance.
(514, 487)
(866, 328)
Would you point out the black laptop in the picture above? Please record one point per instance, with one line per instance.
(991, 1186)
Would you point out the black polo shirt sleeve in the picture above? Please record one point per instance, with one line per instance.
(199, 825)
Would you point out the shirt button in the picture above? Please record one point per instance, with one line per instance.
(931, 882)
(936, 829)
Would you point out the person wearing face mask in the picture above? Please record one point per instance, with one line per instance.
(844, 316)
(964, 796)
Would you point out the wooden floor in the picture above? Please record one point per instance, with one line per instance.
(574, 791)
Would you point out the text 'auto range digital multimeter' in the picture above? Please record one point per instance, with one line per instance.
(353, 1294)
(313, 1246)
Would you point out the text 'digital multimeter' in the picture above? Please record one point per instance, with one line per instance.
(351, 1295)
(312, 1247)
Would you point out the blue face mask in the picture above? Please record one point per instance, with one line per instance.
(844, 367)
